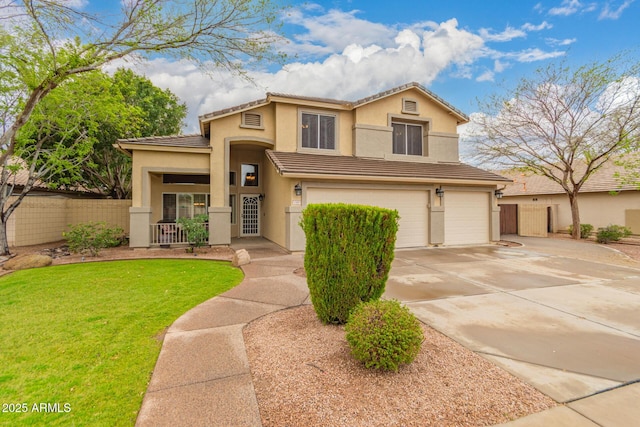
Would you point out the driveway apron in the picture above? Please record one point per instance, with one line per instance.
(562, 316)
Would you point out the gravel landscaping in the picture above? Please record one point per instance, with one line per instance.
(304, 375)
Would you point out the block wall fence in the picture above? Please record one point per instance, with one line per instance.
(41, 219)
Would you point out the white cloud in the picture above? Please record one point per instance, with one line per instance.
(336, 65)
(557, 42)
(509, 33)
(568, 7)
(487, 76)
(534, 54)
(335, 30)
(542, 26)
(609, 13)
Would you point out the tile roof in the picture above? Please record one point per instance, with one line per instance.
(190, 141)
(352, 104)
(409, 86)
(301, 163)
(603, 180)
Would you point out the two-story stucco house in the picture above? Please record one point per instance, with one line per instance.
(254, 168)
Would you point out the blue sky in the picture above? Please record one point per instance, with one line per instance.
(462, 50)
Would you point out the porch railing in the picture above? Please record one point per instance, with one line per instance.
(171, 233)
(168, 234)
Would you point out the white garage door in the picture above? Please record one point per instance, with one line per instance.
(411, 206)
(466, 218)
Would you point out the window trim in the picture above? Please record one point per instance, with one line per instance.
(336, 126)
(242, 177)
(406, 139)
(177, 198)
(425, 122)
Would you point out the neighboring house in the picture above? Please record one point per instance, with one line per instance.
(254, 167)
(534, 205)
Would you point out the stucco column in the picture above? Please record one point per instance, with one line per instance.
(220, 225)
(294, 235)
(495, 222)
(139, 227)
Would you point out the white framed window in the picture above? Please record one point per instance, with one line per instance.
(318, 131)
(184, 205)
(407, 139)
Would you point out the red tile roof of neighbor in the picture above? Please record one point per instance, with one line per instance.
(318, 164)
(603, 180)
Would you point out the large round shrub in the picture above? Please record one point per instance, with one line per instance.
(384, 334)
(348, 255)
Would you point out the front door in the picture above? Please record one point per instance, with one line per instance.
(250, 216)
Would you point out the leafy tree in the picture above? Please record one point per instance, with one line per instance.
(153, 111)
(45, 43)
(563, 124)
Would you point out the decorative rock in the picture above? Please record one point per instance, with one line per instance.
(23, 262)
(241, 257)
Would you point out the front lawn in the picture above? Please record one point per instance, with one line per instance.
(78, 342)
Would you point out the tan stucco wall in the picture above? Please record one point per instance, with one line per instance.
(278, 197)
(375, 113)
(43, 219)
(177, 161)
(597, 209)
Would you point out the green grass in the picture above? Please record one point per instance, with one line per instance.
(86, 335)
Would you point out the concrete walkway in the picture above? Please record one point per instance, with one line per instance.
(561, 317)
(202, 376)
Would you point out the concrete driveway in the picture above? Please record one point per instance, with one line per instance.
(562, 315)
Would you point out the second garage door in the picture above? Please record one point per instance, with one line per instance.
(411, 206)
(466, 218)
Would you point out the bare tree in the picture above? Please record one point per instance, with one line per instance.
(43, 43)
(563, 124)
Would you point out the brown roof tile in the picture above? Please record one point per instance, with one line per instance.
(191, 141)
(603, 180)
(301, 163)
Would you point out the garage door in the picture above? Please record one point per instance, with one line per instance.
(411, 205)
(466, 218)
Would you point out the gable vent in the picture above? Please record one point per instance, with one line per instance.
(253, 120)
(409, 106)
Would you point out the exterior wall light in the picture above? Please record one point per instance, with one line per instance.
(498, 194)
(261, 197)
(298, 189)
(440, 192)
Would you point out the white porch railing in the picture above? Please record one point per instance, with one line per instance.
(168, 234)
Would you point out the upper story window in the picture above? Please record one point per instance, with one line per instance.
(407, 139)
(318, 131)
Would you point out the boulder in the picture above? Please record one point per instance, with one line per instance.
(23, 262)
(241, 257)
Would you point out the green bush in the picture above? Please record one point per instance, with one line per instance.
(384, 334)
(196, 228)
(348, 255)
(585, 230)
(92, 237)
(612, 233)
